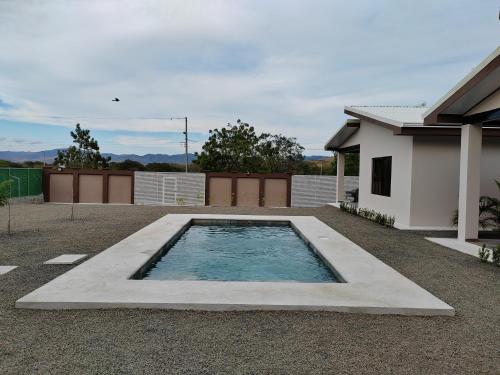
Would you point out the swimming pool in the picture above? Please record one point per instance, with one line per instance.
(110, 278)
(249, 251)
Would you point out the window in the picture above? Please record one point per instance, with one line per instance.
(381, 176)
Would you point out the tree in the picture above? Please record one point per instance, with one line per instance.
(280, 154)
(238, 148)
(4, 199)
(86, 155)
(128, 165)
(164, 167)
(351, 166)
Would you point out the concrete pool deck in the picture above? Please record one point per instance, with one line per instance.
(104, 281)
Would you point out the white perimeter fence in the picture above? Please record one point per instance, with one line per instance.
(169, 188)
(181, 189)
(316, 191)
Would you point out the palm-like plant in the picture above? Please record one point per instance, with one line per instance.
(489, 212)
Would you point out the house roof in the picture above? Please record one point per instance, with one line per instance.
(350, 127)
(392, 115)
(480, 83)
(401, 120)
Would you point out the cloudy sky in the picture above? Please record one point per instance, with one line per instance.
(284, 66)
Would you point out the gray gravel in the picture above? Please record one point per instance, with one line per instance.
(152, 341)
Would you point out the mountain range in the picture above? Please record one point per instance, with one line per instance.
(49, 155)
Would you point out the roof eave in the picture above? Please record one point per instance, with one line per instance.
(434, 116)
(337, 139)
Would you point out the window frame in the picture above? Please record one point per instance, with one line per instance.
(381, 185)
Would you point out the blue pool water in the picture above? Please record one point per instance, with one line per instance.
(233, 252)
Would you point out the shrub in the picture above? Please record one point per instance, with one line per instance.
(495, 256)
(489, 212)
(484, 253)
(377, 217)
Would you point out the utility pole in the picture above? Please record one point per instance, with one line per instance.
(186, 141)
(185, 132)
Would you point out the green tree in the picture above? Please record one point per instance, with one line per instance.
(4, 199)
(238, 148)
(164, 167)
(280, 154)
(351, 167)
(128, 165)
(85, 155)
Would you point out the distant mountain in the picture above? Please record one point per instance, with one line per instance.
(318, 157)
(49, 155)
(152, 158)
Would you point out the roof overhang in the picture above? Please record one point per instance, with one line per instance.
(350, 127)
(480, 84)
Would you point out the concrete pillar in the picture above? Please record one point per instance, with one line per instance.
(470, 182)
(340, 177)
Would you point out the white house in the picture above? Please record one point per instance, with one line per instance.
(421, 164)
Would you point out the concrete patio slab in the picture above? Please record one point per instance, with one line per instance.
(105, 281)
(456, 244)
(5, 269)
(67, 259)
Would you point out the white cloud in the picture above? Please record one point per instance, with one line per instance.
(285, 66)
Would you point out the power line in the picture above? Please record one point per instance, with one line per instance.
(76, 117)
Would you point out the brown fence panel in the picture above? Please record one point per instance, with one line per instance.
(276, 192)
(219, 191)
(61, 188)
(247, 192)
(248, 189)
(88, 186)
(120, 189)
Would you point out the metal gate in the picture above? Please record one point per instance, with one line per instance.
(169, 190)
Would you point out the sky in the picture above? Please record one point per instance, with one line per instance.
(284, 66)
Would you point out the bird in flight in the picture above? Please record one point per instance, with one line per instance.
(116, 100)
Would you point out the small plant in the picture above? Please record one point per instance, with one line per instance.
(377, 217)
(484, 253)
(180, 201)
(495, 256)
(349, 208)
(199, 195)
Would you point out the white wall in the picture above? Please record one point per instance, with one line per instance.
(435, 178)
(425, 174)
(490, 167)
(377, 141)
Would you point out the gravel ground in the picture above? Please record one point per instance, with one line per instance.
(155, 341)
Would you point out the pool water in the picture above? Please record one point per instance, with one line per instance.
(235, 252)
